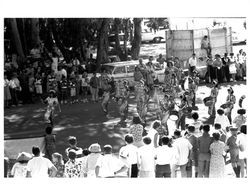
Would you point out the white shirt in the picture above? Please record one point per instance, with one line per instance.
(146, 158)
(64, 72)
(151, 134)
(182, 146)
(39, 166)
(192, 61)
(108, 165)
(242, 140)
(130, 152)
(223, 120)
(165, 155)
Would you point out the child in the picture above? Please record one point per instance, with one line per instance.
(50, 142)
(240, 119)
(64, 90)
(72, 85)
(73, 146)
(7, 96)
(20, 167)
(38, 86)
(57, 160)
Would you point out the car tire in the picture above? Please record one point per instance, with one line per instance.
(157, 40)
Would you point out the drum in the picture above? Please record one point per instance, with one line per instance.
(208, 101)
(174, 115)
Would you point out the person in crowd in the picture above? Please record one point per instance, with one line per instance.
(240, 119)
(73, 167)
(205, 44)
(222, 119)
(129, 152)
(83, 160)
(153, 133)
(106, 96)
(19, 169)
(193, 162)
(240, 64)
(234, 151)
(52, 102)
(84, 87)
(50, 142)
(72, 141)
(57, 160)
(72, 86)
(232, 67)
(95, 154)
(141, 99)
(214, 93)
(204, 142)
(52, 82)
(7, 96)
(15, 89)
(78, 81)
(178, 71)
(181, 122)
(142, 67)
(192, 62)
(31, 83)
(38, 85)
(217, 163)
(94, 87)
(6, 166)
(146, 159)
(184, 148)
(150, 74)
(108, 166)
(39, 167)
(161, 60)
(136, 129)
(196, 123)
(64, 85)
(223, 133)
(242, 144)
(225, 66)
(165, 157)
(210, 70)
(218, 69)
(230, 101)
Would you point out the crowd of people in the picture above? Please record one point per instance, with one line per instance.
(169, 145)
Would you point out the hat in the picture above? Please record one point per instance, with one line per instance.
(72, 154)
(52, 91)
(220, 111)
(95, 148)
(23, 156)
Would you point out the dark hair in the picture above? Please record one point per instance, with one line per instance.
(48, 130)
(217, 126)
(23, 161)
(220, 111)
(243, 129)
(147, 140)
(72, 140)
(129, 138)
(165, 140)
(206, 128)
(216, 136)
(36, 150)
(72, 155)
(177, 133)
(156, 124)
(107, 149)
(85, 152)
(136, 120)
(195, 115)
(205, 36)
(191, 128)
(241, 111)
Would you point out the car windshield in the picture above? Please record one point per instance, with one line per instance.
(109, 69)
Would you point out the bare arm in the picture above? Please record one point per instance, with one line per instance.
(97, 169)
(53, 171)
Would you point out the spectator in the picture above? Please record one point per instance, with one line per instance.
(210, 68)
(218, 71)
(57, 161)
(38, 85)
(94, 85)
(73, 167)
(161, 60)
(50, 142)
(230, 101)
(63, 90)
(73, 146)
(7, 96)
(232, 67)
(196, 122)
(192, 62)
(242, 144)
(225, 62)
(15, 89)
(108, 166)
(20, 167)
(130, 152)
(217, 163)
(240, 119)
(146, 159)
(183, 146)
(136, 129)
(153, 133)
(222, 119)
(72, 86)
(165, 158)
(204, 156)
(95, 151)
(83, 159)
(217, 129)
(205, 44)
(38, 166)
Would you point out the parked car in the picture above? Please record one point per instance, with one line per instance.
(153, 36)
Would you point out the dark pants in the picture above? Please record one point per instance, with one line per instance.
(227, 73)
(134, 170)
(182, 122)
(163, 171)
(213, 73)
(14, 96)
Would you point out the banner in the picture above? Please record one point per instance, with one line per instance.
(12, 147)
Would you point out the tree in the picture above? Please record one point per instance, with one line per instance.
(35, 31)
(136, 44)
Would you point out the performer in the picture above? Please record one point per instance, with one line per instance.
(182, 111)
(52, 82)
(106, 96)
(214, 93)
(52, 102)
(142, 100)
(230, 101)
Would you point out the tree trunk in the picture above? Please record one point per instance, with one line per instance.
(25, 47)
(126, 38)
(136, 44)
(102, 48)
(35, 31)
(117, 39)
(16, 37)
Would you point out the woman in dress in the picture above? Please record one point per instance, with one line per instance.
(20, 167)
(57, 160)
(217, 162)
(136, 129)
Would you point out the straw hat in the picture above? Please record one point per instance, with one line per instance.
(95, 148)
(23, 156)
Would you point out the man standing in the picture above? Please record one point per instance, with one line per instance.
(192, 62)
(183, 148)
(205, 44)
(39, 166)
(94, 85)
